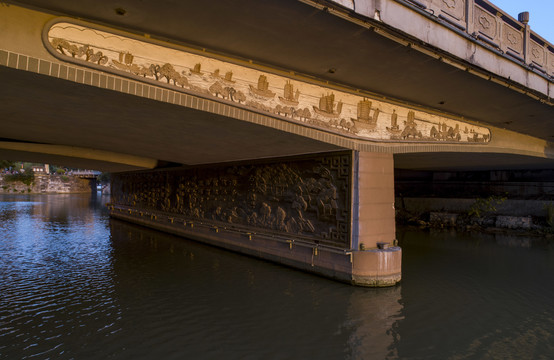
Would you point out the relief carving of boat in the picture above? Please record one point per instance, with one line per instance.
(364, 120)
(445, 132)
(228, 78)
(126, 58)
(125, 63)
(290, 96)
(410, 127)
(196, 69)
(262, 89)
(394, 129)
(327, 106)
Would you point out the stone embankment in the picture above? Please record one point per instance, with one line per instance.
(469, 214)
(45, 184)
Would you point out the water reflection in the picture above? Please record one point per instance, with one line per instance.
(75, 284)
(374, 314)
(78, 285)
(249, 308)
(475, 296)
(56, 284)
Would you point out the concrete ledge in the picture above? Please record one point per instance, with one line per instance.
(371, 268)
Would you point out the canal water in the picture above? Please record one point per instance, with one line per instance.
(76, 285)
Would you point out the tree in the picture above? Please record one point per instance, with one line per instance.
(6, 164)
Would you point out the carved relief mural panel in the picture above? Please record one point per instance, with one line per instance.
(485, 23)
(308, 197)
(512, 38)
(298, 101)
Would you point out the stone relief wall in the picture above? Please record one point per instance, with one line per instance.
(308, 198)
(308, 104)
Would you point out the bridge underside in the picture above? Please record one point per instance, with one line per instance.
(305, 190)
(56, 121)
(296, 36)
(39, 109)
(456, 161)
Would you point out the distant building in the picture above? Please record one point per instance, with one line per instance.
(41, 169)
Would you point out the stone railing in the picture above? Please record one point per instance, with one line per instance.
(488, 24)
(84, 173)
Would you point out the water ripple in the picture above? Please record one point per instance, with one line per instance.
(76, 285)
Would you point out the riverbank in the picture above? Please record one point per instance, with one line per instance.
(44, 184)
(492, 215)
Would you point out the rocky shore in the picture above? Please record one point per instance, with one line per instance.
(44, 184)
(493, 215)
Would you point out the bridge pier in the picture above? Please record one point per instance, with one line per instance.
(378, 260)
(331, 214)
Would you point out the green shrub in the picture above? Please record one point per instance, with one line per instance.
(482, 207)
(549, 214)
(27, 178)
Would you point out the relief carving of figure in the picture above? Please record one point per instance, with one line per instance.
(300, 205)
(280, 216)
(265, 214)
(232, 215)
(218, 214)
(411, 127)
(166, 202)
(327, 202)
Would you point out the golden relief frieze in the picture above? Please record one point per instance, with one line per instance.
(299, 101)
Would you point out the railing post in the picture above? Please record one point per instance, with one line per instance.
(524, 19)
(470, 6)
